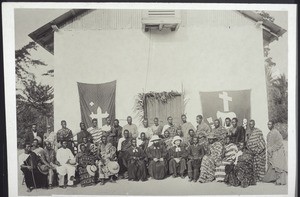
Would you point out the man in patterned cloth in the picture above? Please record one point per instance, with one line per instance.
(65, 134)
(257, 145)
(96, 132)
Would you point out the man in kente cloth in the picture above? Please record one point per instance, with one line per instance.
(28, 161)
(123, 146)
(136, 163)
(65, 134)
(157, 154)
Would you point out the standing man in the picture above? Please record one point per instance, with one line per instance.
(146, 129)
(107, 126)
(185, 127)
(257, 146)
(237, 133)
(202, 127)
(83, 133)
(219, 132)
(170, 127)
(277, 163)
(132, 128)
(66, 165)
(115, 134)
(227, 124)
(65, 134)
(33, 134)
(156, 128)
(48, 158)
(51, 137)
(96, 132)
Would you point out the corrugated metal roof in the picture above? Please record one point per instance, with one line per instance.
(44, 35)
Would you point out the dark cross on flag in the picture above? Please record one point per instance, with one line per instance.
(223, 104)
(97, 101)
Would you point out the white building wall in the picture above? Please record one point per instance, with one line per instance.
(224, 54)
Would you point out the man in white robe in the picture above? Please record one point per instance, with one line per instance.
(67, 165)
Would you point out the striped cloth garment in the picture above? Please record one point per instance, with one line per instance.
(96, 134)
(230, 152)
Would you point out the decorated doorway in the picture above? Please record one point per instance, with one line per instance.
(161, 105)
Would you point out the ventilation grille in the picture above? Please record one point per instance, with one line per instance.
(161, 19)
(161, 13)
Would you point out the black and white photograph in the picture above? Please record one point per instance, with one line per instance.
(155, 99)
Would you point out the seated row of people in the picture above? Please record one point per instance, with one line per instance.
(203, 156)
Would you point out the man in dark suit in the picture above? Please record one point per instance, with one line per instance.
(33, 134)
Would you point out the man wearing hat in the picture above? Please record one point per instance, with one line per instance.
(157, 154)
(196, 152)
(67, 164)
(178, 154)
(136, 162)
(209, 161)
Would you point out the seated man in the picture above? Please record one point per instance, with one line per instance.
(66, 165)
(229, 156)
(28, 162)
(49, 161)
(157, 154)
(86, 166)
(106, 154)
(123, 145)
(136, 163)
(195, 155)
(36, 147)
(188, 140)
(177, 154)
(142, 141)
(212, 156)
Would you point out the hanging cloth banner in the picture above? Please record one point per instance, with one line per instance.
(97, 101)
(223, 104)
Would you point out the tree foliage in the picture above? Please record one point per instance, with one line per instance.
(33, 100)
(277, 90)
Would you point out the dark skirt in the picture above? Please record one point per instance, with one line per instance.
(34, 178)
(85, 178)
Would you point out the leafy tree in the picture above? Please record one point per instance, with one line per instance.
(34, 100)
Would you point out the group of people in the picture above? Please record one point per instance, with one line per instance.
(235, 155)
